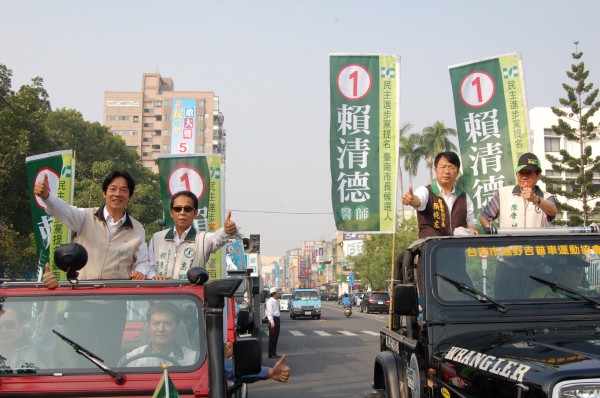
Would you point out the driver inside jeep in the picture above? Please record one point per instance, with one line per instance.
(165, 326)
(568, 271)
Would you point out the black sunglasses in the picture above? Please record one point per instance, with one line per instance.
(187, 209)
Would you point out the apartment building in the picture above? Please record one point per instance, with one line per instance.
(159, 120)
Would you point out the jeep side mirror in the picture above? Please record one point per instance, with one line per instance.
(405, 300)
(243, 320)
(246, 356)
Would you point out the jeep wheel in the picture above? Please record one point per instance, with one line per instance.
(318, 317)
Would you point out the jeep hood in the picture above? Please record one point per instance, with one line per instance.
(496, 364)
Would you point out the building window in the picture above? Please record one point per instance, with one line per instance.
(166, 147)
(167, 118)
(166, 132)
(135, 119)
(551, 141)
(125, 103)
(165, 103)
(124, 132)
(200, 133)
(158, 118)
(148, 124)
(157, 103)
(156, 147)
(145, 154)
(148, 110)
(146, 139)
(112, 103)
(201, 118)
(552, 174)
(119, 117)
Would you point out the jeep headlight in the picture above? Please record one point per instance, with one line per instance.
(317, 307)
(588, 388)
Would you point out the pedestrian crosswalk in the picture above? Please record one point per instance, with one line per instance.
(297, 333)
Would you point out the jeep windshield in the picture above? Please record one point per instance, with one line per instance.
(129, 333)
(506, 268)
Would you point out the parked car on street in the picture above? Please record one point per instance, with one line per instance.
(375, 301)
(284, 302)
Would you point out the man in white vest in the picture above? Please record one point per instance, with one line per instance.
(523, 205)
(174, 251)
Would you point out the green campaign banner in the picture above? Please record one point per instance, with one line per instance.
(491, 122)
(49, 234)
(363, 141)
(201, 174)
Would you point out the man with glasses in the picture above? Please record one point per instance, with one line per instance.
(442, 208)
(174, 251)
(523, 205)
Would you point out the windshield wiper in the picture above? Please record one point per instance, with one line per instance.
(558, 287)
(96, 360)
(476, 294)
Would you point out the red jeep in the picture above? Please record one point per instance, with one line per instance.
(90, 339)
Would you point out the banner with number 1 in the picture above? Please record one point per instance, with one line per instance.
(202, 175)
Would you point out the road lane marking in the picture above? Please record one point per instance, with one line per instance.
(371, 333)
(347, 333)
(296, 333)
(322, 333)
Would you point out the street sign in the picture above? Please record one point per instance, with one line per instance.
(351, 278)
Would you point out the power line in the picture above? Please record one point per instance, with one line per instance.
(279, 212)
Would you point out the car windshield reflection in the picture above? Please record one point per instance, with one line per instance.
(512, 271)
(123, 331)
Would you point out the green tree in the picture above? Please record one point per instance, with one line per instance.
(374, 264)
(574, 125)
(28, 126)
(401, 136)
(412, 153)
(434, 139)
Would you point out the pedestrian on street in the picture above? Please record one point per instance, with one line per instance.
(273, 315)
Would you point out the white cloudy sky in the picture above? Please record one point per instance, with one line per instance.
(268, 62)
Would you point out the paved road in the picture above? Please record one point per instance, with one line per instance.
(331, 357)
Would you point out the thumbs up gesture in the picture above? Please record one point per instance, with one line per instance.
(409, 199)
(42, 188)
(229, 225)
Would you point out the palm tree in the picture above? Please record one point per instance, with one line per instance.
(402, 136)
(412, 153)
(434, 139)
